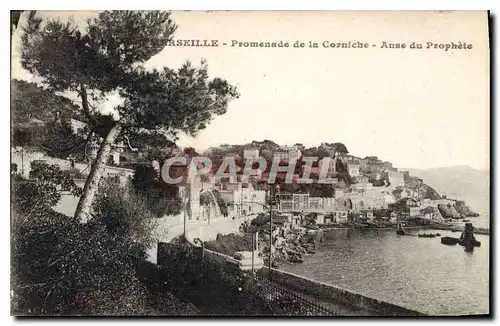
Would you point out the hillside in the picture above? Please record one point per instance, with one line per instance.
(459, 182)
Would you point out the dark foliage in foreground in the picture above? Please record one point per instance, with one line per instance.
(213, 286)
(61, 266)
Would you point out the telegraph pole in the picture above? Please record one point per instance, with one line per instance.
(271, 228)
(22, 162)
(184, 204)
(241, 200)
(253, 253)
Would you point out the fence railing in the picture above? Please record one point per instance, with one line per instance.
(286, 302)
(279, 300)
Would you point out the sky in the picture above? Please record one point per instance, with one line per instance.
(416, 108)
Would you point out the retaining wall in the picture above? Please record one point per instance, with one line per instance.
(328, 292)
(221, 225)
(216, 256)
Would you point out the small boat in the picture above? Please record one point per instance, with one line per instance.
(449, 241)
(438, 234)
(465, 220)
(427, 235)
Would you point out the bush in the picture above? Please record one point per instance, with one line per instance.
(126, 218)
(210, 285)
(44, 188)
(63, 267)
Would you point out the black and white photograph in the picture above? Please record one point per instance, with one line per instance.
(250, 163)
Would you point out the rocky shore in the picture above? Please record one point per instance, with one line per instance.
(297, 243)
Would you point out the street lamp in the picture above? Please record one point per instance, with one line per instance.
(272, 193)
(272, 189)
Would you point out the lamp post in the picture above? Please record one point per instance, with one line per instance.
(272, 194)
(184, 205)
(253, 254)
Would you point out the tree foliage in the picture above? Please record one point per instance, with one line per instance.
(29, 101)
(106, 58)
(61, 266)
(103, 62)
(41, 121)
(15, 15)
(43, 190)
(340, 148)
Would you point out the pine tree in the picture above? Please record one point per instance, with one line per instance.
(105, 60)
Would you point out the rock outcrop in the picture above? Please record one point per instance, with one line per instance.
(449, 211)
(463, 209)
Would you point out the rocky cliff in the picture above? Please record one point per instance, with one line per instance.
(449, 211)
(463, 209)
(460, 182)
(456, 211)
(426, 191)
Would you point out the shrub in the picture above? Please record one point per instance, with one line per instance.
(44, 188)
(211, 285)
(61, 266)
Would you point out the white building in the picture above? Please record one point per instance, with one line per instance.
(362, 184)
(281, 156)
(289, 153)
(396, 179)
(248, 200)
(250, 153)
(341, 217)
(353, 168)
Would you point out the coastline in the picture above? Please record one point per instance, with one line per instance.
(437, 226)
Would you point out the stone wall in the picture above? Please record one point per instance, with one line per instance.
(217, 256)
(221, 225)
(327, 292)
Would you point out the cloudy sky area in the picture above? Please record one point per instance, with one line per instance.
(415, 108)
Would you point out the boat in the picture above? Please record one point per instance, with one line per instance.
(427, 235)
(449, 241)
(464, 220)
(438, 234)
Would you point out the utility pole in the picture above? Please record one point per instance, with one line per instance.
(271, 228)
(251, 200)
(241, 200)
(253, 253)
(22, 162)
(184, 204)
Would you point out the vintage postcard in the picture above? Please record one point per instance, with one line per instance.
(250, 163)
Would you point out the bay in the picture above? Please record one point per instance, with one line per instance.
(417, 273)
